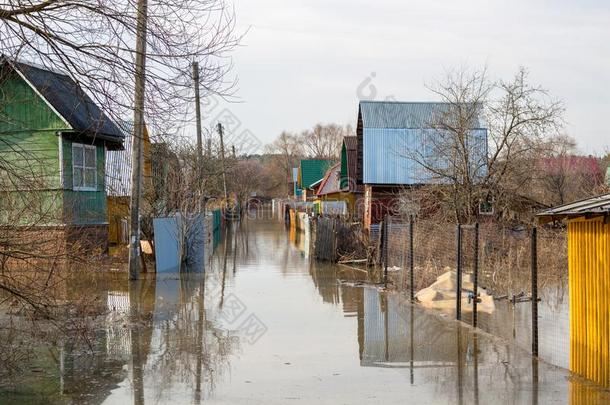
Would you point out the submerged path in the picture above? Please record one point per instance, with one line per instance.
(273, 327)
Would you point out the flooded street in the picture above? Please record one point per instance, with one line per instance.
(267, 325)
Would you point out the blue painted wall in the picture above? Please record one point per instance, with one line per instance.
(387, 155)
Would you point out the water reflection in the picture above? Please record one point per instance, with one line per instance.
(331, 337)
(163, 338)
(433, 350)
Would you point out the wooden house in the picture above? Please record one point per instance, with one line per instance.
(389, 134)
(352, 191)
(53, 144)
(589, 284)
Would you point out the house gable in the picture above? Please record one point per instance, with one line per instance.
(28, 128)
(36, 144)
(312, 171)
(23, 109)
(391, 136)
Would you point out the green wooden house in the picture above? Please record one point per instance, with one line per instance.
(53, 143)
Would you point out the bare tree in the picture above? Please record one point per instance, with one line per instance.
(562, 175)
(324, 141)
(93, 41)
(245, 178)
(288, 150)
(468, 166)
(285, 152)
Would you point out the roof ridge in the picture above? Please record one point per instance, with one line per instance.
(36, 66)
(403, 102)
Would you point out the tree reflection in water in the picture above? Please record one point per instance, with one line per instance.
(184, 347)
(159, 339)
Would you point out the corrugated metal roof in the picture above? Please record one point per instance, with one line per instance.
(405, 115)
(118, 165)
(592, 206)
(330, 183)
(312, 170)
(70, 101)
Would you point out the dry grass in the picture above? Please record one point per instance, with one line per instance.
(504, 255)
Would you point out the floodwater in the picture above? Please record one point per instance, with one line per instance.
(514, 322)
(268, 326)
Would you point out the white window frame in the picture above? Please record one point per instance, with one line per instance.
(491, 204)
(84, 167)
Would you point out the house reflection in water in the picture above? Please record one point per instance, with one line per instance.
(390, 338)
(465, 366)
(105, 365)
(155, 331)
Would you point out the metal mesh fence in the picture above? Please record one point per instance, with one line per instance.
(504, 259)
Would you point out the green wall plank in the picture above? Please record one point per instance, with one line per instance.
(30, 146)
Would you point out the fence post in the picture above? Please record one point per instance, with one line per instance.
(475, 281)
(458, 287)
(534, 253)
(411, 259)
(333, 254)
(385, 250)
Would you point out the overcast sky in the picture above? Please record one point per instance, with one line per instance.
(309, 61)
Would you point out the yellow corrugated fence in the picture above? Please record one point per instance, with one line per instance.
(589, 275)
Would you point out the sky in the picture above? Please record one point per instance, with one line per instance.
(302, 62)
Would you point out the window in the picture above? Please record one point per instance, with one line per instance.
(486, 207)
(84, 167)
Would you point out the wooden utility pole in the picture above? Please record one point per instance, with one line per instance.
(199, 157)
(197, 111)
(138, 135)
(222, 161)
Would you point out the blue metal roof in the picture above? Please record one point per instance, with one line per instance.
(404, 115)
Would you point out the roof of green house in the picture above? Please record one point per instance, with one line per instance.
(312, 170)
(69, 101)
(608, 176)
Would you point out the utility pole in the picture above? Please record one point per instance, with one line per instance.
(199, 157)
(138, 135)
(222, 161)
(197, 111)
